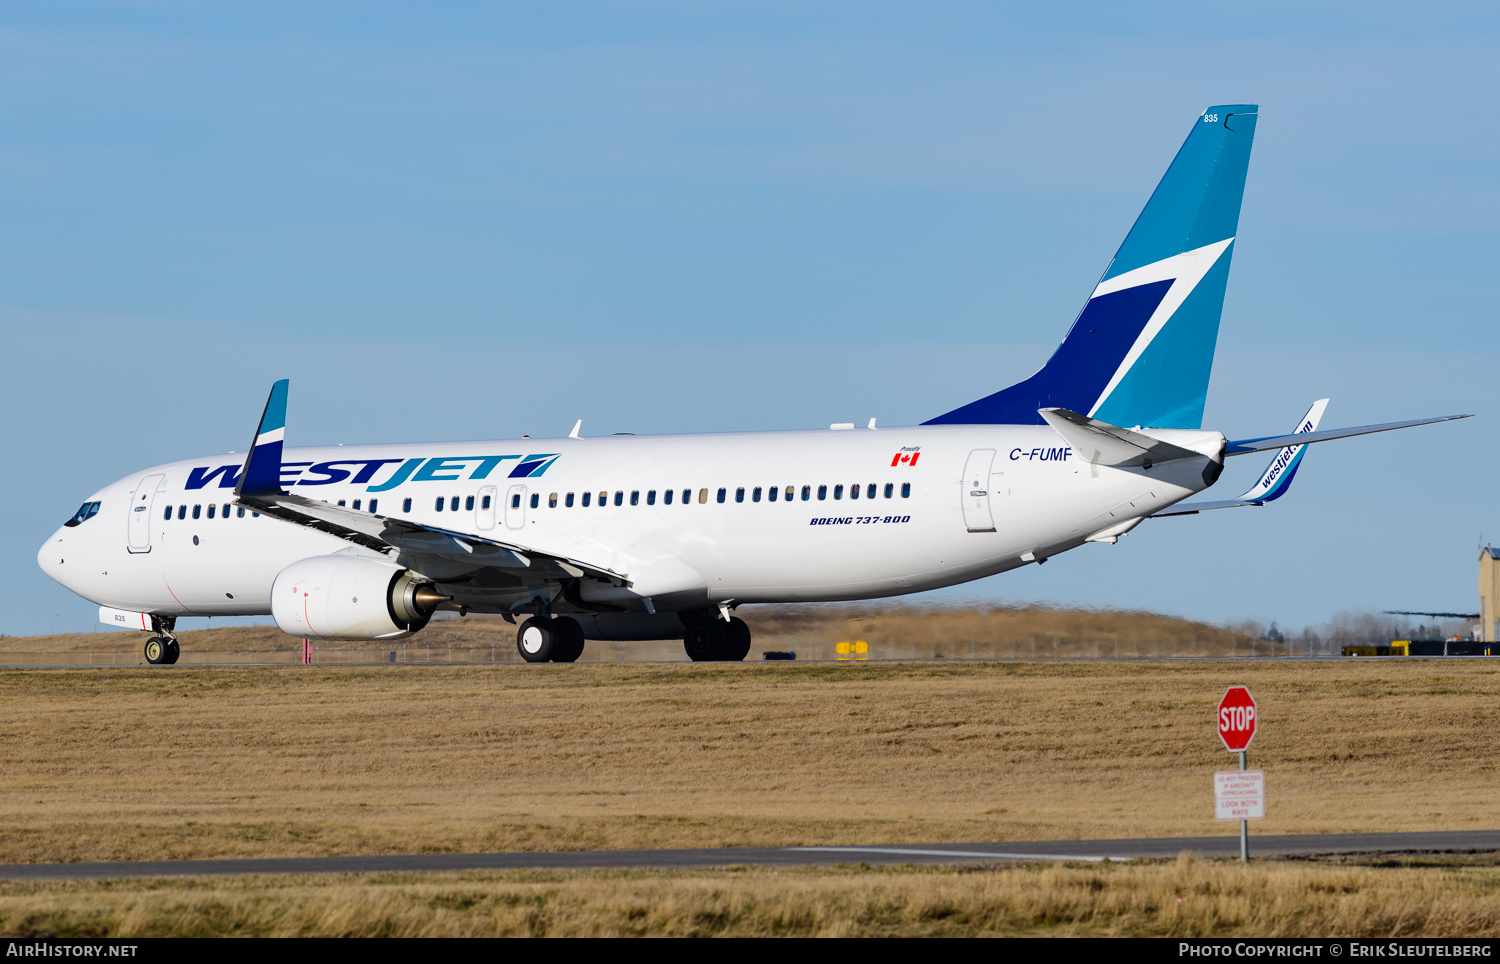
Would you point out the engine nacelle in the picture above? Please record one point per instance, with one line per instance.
(351, 597)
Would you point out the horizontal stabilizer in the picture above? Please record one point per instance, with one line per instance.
(1246, 446)
(1104, 444)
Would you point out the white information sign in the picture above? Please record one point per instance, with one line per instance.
(1240, 795)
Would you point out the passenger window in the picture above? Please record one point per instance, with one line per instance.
(619, 497)
(635, 496)
(754, 496)
(515, 501)
(356, 503)
(789, 491)
(888, 488)
(586, 497)
(568, 500)
(722, 491)
(535, 496)
(551, 501)
(651, 497)
(739, 494)
(439, 504)
(838, 492)
(211, 507)
(405, 506)
(197, 511)
(240, 512)
(469, 504)
(484, 503)
(168, 516)
(687, 496)
(870, 492)
(666, 497)
(854, 491)
(771, 493)
(822, 492)
(255, 514)
(373, 504)
(806, 492)
(454, 504)
(702, 496)
(905, 490)
(603, 499)
(182, 512)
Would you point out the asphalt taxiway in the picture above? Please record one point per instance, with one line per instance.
(1452, 841)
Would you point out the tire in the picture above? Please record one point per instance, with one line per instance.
(173, 651)
(707, 641)
(156, 650)
(537, 639)
(569, 640)
(739, 640)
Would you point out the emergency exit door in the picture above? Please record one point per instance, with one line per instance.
(515, 507)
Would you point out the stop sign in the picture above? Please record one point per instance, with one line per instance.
(1236, 718)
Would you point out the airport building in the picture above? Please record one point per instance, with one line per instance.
(1489, 591)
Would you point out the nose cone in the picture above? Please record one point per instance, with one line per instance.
(52, 558)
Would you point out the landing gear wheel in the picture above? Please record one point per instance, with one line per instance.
(156, 650)
(707, 641)
(739, 640)
(537, 639)
(173, 651)
(569, 640)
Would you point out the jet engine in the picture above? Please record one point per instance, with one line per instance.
(351, 597)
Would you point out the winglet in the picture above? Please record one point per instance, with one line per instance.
(262, 473)
(1277, 477)
(576, 426)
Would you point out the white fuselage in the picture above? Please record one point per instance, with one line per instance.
(163, 541)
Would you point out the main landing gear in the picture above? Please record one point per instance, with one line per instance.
(162, 649)
(543, 639)
(714, 640)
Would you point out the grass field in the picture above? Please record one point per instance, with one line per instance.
(178, 762)
(811, 631)
(1411, 897)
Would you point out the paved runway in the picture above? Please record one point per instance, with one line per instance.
(1456, 841)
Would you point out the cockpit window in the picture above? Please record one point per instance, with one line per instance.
(84, 513)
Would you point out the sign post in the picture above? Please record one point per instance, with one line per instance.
(1239, 795)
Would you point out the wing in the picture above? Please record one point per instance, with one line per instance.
(260, 489)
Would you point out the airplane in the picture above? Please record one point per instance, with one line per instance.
(663, 537)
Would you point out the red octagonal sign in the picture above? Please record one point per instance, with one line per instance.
(1236, 718)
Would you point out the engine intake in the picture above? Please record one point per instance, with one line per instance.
(351, 597)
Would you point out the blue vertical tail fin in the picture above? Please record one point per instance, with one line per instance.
(1141, 351)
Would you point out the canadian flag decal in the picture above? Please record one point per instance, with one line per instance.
(907, 456)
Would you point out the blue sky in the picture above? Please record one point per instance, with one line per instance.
(492, 219)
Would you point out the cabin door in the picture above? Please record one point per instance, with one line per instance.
(142, 502)
(976, 491)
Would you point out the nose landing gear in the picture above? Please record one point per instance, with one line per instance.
(162, 649)
(162, 652)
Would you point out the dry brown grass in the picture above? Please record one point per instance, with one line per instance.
(178, 762)
(1185, 898)
(893, 632)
